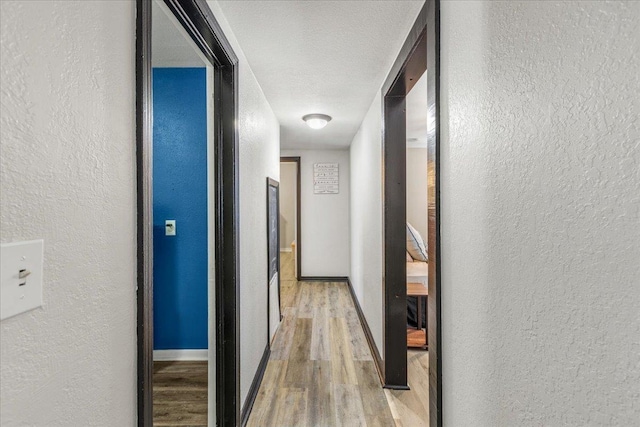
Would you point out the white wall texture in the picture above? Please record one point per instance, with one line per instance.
(417, 190)
(366, 218)
(67, 175)
(540, 180)
(287, 204)
(325, 217)
(539, 102)
(259, 132)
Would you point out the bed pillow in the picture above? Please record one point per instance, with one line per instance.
(415, 244)
(409, 259)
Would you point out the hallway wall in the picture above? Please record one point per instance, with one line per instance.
(540, 185)
(67, 175)
(259, 133)
(325, 217)
(417, 190)
(366, 218)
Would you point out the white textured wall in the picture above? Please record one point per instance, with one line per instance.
(417, 190)
(540, 181)
(287, 204)
(259, 133)
(366, 218)
(324, 217)
(67, 135)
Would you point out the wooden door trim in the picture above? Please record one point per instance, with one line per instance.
(420, 53)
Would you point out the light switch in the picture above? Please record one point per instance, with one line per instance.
(21, 277)
(170, 227)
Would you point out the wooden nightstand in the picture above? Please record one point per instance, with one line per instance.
(416, 336)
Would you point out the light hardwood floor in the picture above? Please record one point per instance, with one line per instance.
(180, 394)
(411, 408)
(321, 372)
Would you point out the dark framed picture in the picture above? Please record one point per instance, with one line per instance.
(273, 254)
(273, 235)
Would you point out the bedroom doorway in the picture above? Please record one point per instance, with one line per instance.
(417, 224)
(418, 61)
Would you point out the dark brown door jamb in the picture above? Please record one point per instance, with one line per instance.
(419, 54)
(434, 329)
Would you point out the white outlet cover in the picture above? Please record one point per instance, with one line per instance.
(14, 257)
(170, 227)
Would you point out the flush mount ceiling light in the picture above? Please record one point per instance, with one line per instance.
(316, 121)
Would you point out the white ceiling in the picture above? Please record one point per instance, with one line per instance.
(170, 43)
(417, 107)
(313, 56)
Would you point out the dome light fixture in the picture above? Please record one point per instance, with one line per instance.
(316, 121)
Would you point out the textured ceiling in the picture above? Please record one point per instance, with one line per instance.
(170, 44)
(320, 57)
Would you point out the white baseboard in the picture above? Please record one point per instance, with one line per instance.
(166, 355)
(285, 249)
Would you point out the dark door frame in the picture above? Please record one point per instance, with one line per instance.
(199, 22)
(296, 160)
(419, 54)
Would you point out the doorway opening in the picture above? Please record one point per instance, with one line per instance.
(419, 57)
(183, 224)
(187, 216)
(290, 218)
(417, 265)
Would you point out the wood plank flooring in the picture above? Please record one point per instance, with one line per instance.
(411, 408)
(321, 372)
(180, 394)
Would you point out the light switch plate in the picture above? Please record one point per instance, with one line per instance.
(20, 277)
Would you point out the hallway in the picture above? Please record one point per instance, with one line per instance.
(321, 372)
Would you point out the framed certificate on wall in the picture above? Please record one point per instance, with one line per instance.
(326, 178)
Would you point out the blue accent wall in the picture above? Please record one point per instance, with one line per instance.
(180, 193)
